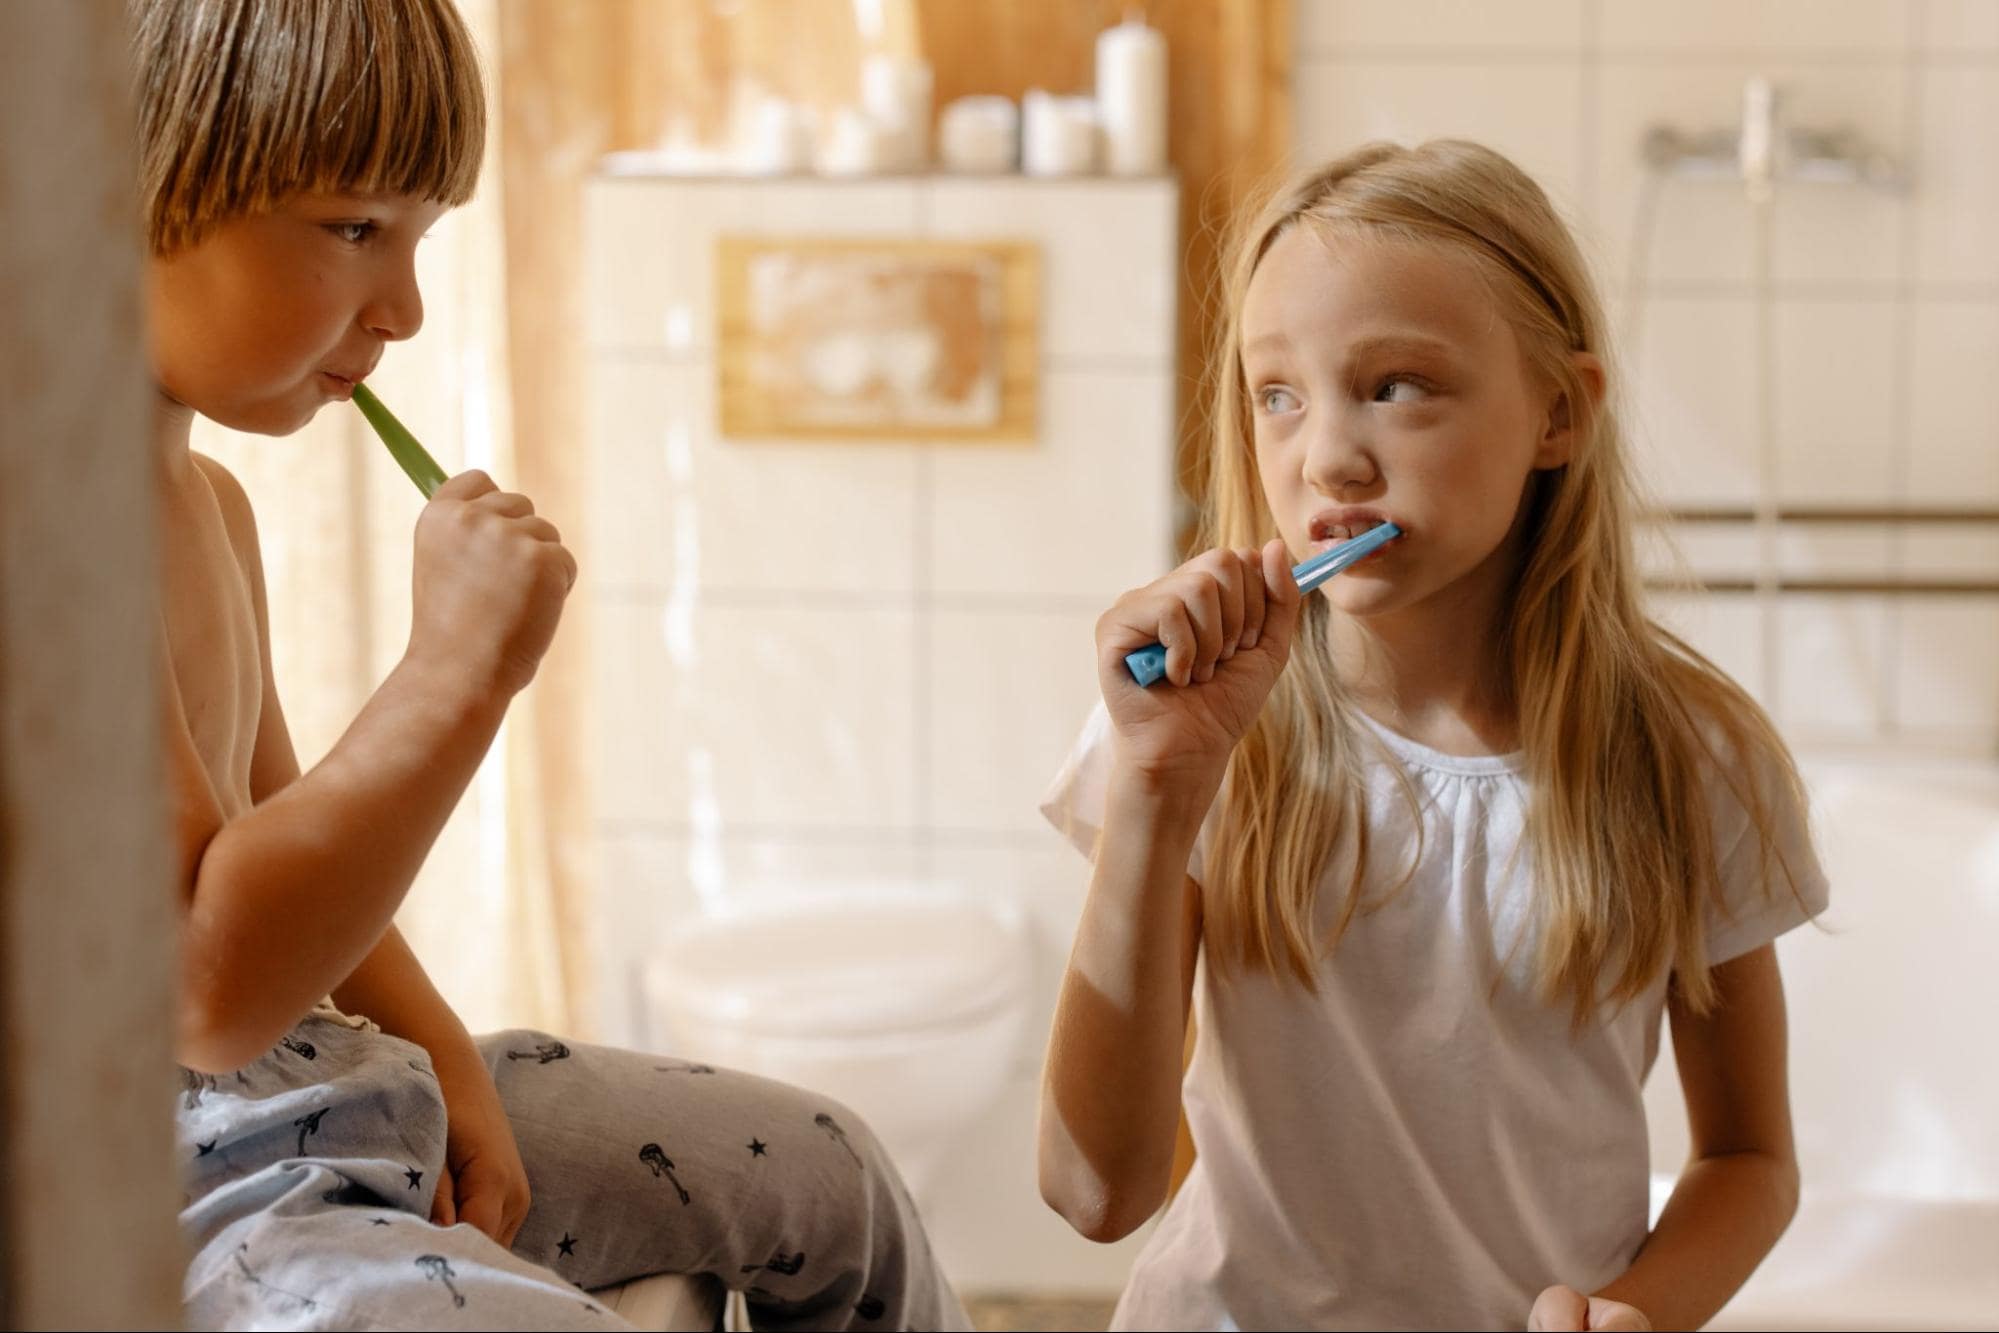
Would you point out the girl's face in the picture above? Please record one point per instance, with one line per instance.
(1386, 385)
(270, 316)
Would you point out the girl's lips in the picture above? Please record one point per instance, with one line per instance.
(343, 388)
(1331, 527)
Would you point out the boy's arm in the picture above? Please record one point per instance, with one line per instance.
(286, 902)
(1740, 1186)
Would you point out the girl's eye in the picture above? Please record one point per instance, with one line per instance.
(1397, 389)
(1276, 400)
(352, 232)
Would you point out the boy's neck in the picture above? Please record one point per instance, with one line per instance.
(173, 425)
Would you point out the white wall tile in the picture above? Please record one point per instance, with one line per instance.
(1701, 229)
(1846, 26)
(1952, 552)
(1836, 435)
(1956, 175)
(673, 499)
(1960, 27)
(1527, 112)
(1694, 431)
(1084, 513)
(1341, 27)
(1109, 257)
(1947, 677)
(1830, 658)
(649, 272)
(1726, 628)
(1705, 550)
(1954, 403)
(758, 716)
(1835, 550)
(1009, 691)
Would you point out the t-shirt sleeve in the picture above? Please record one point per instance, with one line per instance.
(1766, 886)
(1076, 799)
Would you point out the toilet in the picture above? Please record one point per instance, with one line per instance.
(907, 1004)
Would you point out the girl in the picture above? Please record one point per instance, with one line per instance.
(378, 1167)
(1424, 858)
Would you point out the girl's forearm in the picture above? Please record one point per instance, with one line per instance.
(392, 988)
(1725, 1215)
(289, 899)
(1110, 1093)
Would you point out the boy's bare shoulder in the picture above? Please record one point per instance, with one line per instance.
(237, 515)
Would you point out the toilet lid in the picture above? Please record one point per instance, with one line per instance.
(839, 965)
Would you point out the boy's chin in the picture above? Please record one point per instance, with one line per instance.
(279, 418)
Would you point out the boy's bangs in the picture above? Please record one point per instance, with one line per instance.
(243, 104)
(397, 106)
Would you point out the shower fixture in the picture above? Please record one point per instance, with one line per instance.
(1762, 151)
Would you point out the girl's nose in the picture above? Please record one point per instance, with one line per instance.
(1338, 458)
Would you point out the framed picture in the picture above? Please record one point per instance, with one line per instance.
(878, 338)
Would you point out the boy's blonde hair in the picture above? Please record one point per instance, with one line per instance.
(1623, 725)
(244, 102)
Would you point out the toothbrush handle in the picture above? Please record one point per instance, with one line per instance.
(1147, 665)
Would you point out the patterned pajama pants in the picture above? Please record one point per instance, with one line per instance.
(310, 1174)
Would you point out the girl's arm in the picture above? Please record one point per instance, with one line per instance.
(1740, 1185)
(1110, 1095)
(285, 902)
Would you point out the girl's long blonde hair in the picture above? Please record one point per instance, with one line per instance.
(1623, 726)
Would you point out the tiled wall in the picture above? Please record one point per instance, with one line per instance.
(822, 663)
(1859, 363)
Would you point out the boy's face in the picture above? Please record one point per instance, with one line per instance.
(270, 316)
(1386, 386)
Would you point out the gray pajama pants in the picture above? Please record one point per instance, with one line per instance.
(309, 1178)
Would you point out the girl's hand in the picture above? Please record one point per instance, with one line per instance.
(1567, 1308)
(1226, 619)
(490, 580)
(483, 1181)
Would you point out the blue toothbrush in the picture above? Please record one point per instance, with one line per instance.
(1148, 664)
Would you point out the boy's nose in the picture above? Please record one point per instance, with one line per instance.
(397, 310)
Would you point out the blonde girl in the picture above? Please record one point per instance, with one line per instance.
(1425, 857)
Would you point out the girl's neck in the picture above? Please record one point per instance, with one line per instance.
(1435, 672)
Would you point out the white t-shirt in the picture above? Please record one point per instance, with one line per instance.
(1422, 1144)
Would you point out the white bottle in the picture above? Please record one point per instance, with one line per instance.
(1131, 98)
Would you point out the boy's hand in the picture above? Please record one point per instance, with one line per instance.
(489, 583)
(1226, 619)
(1567, 1308)
(484, 1182)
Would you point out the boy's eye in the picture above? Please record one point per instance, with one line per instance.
(352, 232)
(1276, 400)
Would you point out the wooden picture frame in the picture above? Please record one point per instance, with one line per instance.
(877, 338)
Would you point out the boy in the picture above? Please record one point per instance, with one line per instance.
(293, 152)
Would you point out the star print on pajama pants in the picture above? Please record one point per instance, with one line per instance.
(309, 1177)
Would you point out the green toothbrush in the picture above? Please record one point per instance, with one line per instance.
(421, 467)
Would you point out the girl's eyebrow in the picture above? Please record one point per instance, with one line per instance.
(1402, 344)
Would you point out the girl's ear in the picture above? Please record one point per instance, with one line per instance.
(1558, 443)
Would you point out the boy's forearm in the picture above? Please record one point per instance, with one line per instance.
(290, 898)
(392, 988)
(1726, 1213)
(1110, 1099)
